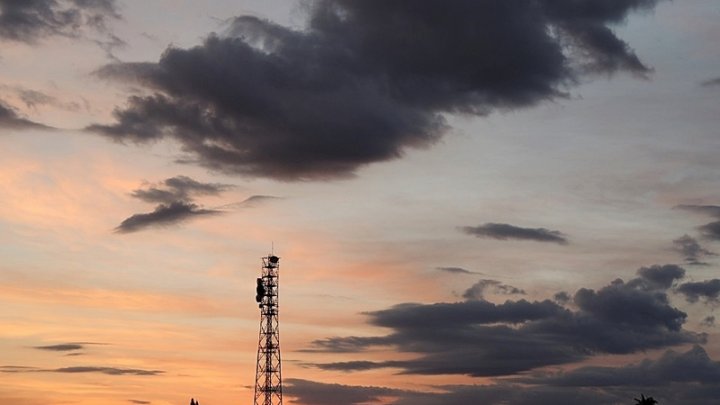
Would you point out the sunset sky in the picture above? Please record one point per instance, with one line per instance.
(474, 201)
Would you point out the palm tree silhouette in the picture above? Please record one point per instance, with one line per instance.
(645, 401)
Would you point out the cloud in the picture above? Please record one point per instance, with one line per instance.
(692, 251)
(693, 366)
(164, 215)
(106, 370)
(175, 198)
(29, 21)
(478, 290)
(16, 369)
(507, 231)
(709, 321)
(562, 297)
(315, 393)
(657, 277)
(354, 87)
(708, 290)
(688, 377)
(711, 82)
(712, 210)
(179, 188)
(9, 119)
(66, 347)
(34, 98)
(251, 202)
(139, 401)
(711, 230)
(481, 338)
(456, 270)
(82, 369)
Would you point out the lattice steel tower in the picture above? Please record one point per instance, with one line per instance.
(268, 376)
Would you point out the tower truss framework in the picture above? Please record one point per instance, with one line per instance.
(268, 372)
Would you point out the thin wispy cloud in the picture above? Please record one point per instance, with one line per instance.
(714, 82)
(478, 290)
(708, 322)
(693, 253)
(456, 270)
(10, 119)
(179, 188)
(175, 197)
(712, 210)
(164, 215)
(251, 202)
(30, 21)
(512, 232)
(33, 98)
(709, 231)
(67, 347)
(114, 371)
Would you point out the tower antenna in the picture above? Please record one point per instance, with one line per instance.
(268, 375)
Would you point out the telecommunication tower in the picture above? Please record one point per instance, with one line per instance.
(268, 376)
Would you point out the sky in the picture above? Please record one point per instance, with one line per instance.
(474, 201)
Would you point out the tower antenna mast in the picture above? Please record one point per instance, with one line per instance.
(268, 375)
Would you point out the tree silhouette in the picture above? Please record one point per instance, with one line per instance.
(645, 401)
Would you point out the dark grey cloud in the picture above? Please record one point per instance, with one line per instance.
(364, 82)
(708, 322)
(66, 347)
(480, 338)
(711, 82)
(711, 230)
(712, 210)
(456, 270)
(691, 250)
(657, 277)
(708, 290)
(9, 119)
(477, 291)
(511, 394)
(315, 393)
(689, 377)
(31, 20)
(176, 203)
(693, 365)
(179, 188)
(562, 297)
(139, 401)
(164, 215)
(507, 231)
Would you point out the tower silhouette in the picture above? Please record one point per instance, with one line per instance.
(268, 375)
